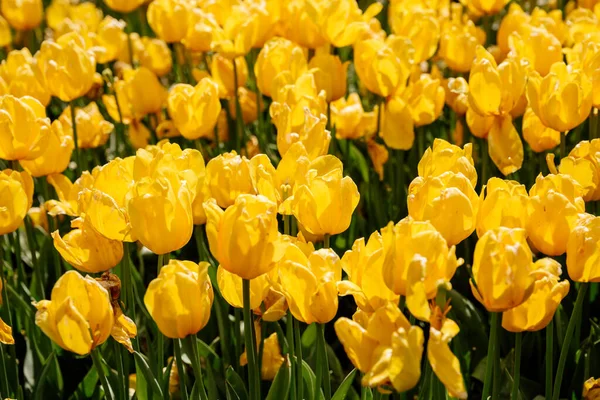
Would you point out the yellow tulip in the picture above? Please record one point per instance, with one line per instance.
(145, 91)
(67, 193)
(587, 150)
(538, 136)
(24, 128)
(79, 315)
(152, 53)
(421, 26)
(505, 203)
(457, 94)
(555, 202)
(458, 40)
(562, 99)
(23, 76)
(330, 74)
(5, 34)
(538, 310)
(248, 105)
(16, 197)
(87, 250)
(384, 66)
(169, 19)
(110, 38)
(6, 336)
(311, 132)
(591, 389)
(584, 56)
(228, 176)
(535, 44)
(487, 7)
(384, 346)
(443, 157)
(92, 129)
(230, 286)
(341, 22)
(202, 30)
(582, 170)
(39, 217)
(582, 252)
(180, 298)
(325, 201)
(123, 6)
(379, 156)
(479, 125)
(195, 109)
(505, 146)
(350, 119)
(271, 357)
(23, 15)
(244, 238)
(416, 261)
(277, 56)
(364, 266)
(222, 72)
(57, 155)
(435, 198)
(297, 26)
(67, 66)
(425, 99)
(502, 269)
(397, 125)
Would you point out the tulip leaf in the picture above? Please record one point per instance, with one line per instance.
(309, 337)
(342, 390)
(211, 384)
(141, 362)
(236, 383)
(166, 376)
(357, 157)
(281, 384)
(39, 385)
(308, 376)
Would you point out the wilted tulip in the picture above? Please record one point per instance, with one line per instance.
(123, 6)
(350, 119)
(443, 157)
(168, 19)
(87, 250)
(555, 202)
(538, 310)
(92, 129)
(180, 298)
(195, 109)
(502, 269)
(277, 56)
(23, 15)
(562, 99)
(397, 126)
(244, 238)
(57, 155)
(330, 74)
(79, 315)
(67, 66)
(505, 203)
(16, 197)
(436, 198)
(24, 128)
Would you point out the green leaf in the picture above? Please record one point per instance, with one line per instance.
(236, 383)
(357, 158)
(167, 375)
(309, 337)
(211, 384)
(141, 362)
(281, 384)
(340, 393)
(308, 376)
(39, 385)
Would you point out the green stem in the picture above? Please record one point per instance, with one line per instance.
(563, 144)
(489, 367)
(5, 388)
(128, 284)
(549, 357)
(298, 359)
(238, 337)
(250, 343)
(74, 122)
(517, 370)
(289, 328)
(485, 159)
(17, 247)
(564, 351)
(97, 359)
(239, 123)
(193, 347)
(32, 247)
(326, 241)
(162, 260)
(181, 372)
(322, 348)
(121, 368)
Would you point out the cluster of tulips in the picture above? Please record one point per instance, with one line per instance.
(261, 155)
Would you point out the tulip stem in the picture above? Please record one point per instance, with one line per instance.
(250, 343)
(180, 370)
(289, 328)
(97, 359)
(517, 370)
(489, 366)
(563, 144)
(549, 357)
(298, 343)
(564, 351)
(5, 388)
(322, 374)
(326, 241)
(32, 247)
(239, 123)
(195, 358)
(76, 142)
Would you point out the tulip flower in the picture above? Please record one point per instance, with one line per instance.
(330, 75)
(250, 217)
(277, 56)
(435, 198)
(311, 133)
(487, 7)
(23, 76)
(584, 56)
(555, 202)
(384, 66)
(541, 48)
(123, 6)
(202, 31)
(350, 119)
(505, 203)
(180, 298)
(581, 170)
(457, 94)
(416, 261)
(152, 53)
(379, 156)
(502, 269)
(87, 250)
(92, 129)
(23, 15)
(587, 150)
(271, 357)
(222, 72)
(195, 109)
(297, 26)
(168, 19)
(364, 266)
(110, 38)
(384, 346)
(458, 40)
(39, 218)
(421, 26)
(56, 156)
(505, 146)
(425, 99)
(6, 336)
(325, 201)
(16, 197)
(248, 106)
(562, 99)
(538, 310)
(230, 287)
(397, 125)
(144, 90)
(443, 156)
(5, 33)
(67, 66)
(24, 128)
(538, 136)
(228, 176)
(67, 193)
(582, 251)
(79, 315)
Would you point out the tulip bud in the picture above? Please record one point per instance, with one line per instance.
(228, 176)
(502, 269)
(379, 156)
(24, 128)
(180, 298)
(79, 315)
(271, 357)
